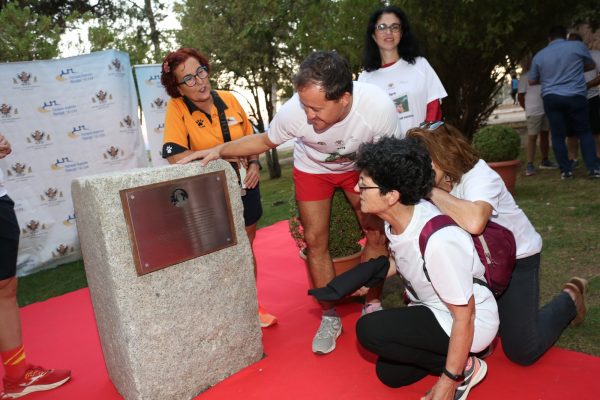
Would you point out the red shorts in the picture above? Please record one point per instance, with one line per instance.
(313, 187)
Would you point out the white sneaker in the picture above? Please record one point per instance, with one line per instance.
(473, 376)
(329, 330)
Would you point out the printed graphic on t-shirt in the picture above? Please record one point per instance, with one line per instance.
(401, 104)
(338, 158)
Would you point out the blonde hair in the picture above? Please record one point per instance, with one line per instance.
(448, 149)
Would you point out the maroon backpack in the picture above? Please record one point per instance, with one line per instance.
(496, 248)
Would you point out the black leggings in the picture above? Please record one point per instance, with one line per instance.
(9, 238)
(409, 341)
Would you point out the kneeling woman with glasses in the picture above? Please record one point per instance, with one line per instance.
(199, 118)
(393, 61)
(449, 316)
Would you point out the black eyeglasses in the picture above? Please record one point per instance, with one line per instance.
(361, 188)
(190, 79)
(393, 28)
(431, 125)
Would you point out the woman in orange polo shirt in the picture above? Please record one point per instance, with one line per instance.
(198, 118)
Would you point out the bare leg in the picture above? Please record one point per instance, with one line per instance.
(376, 244)
(572, 144)
(315, 220)
(544, 144)
(10, 322)
(531, 142)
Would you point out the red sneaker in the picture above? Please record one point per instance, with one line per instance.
(36, 379)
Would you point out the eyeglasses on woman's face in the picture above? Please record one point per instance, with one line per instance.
(362, 188)
(190, 79)
(392, 28)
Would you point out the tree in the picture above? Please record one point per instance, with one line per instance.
(26, 35)
(466, 41)
(246, 43)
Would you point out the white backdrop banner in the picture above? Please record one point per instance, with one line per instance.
(153, 99)
(65, 119)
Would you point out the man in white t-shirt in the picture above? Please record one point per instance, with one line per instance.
(530, 98)
(330, 117)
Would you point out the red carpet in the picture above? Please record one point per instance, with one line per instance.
(290, 370)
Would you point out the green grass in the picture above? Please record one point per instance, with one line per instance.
(565, 213)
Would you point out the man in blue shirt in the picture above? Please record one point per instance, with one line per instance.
(559, 69)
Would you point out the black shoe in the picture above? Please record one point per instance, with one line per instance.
(595, 174)
(566, 175)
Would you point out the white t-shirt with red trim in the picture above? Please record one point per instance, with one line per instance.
(371, 117)
(410, 86)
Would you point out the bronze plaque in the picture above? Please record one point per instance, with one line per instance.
(171, 222)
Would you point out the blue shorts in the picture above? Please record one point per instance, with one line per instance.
(9, 238)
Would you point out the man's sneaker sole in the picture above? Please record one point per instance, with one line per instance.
(474, 380)
(35, 388)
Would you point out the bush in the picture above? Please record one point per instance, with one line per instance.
(344, 228)
(497, 143)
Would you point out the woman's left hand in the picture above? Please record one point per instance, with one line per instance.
(252, 176)
(443, 389)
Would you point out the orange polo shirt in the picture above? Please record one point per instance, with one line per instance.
(199, 131)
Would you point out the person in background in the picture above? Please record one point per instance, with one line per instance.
(20, 377)
(559, 68)
(514, 87)
(329, 116)
(472, 194)
(592, 80)
(448, 316)
(197, 118)
(530, 99)
(393, 61)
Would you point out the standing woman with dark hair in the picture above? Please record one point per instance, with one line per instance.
(198, 118)
(392, 60)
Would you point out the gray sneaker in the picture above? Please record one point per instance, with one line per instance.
(329, 330)
(473, 376)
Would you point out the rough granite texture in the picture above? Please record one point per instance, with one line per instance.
(175, 332)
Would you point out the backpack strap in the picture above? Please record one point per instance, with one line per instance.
(432, 226)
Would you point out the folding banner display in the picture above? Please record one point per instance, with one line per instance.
(65, 118)
(153, 99)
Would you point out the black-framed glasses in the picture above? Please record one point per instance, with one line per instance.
(361, 188)
(393, 28)
(190, 79)
(431, 125)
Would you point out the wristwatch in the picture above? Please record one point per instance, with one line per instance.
(456, 378)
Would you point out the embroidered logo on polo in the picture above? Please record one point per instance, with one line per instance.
(200, 123)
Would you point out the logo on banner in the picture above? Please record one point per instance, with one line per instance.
(127, 122)
(70, 220)
(68, 165)
(115, 65)
(62, 250)
(52, 106)
(33, 229)
(52, 197)
(19, 172)
(8, 112)
(153, 80)
(113, 153)
(82, 132)
(38, 140)
(102, 99)
(160, 128)
(24, 81)
(72, 76)
(158, 104)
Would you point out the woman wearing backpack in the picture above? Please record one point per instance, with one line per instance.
(470, 192)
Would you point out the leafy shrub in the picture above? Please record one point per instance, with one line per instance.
(344, 228)
(497, 143)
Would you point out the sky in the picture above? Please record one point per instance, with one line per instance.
(75, 42)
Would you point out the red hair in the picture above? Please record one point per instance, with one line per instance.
(172, 61)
